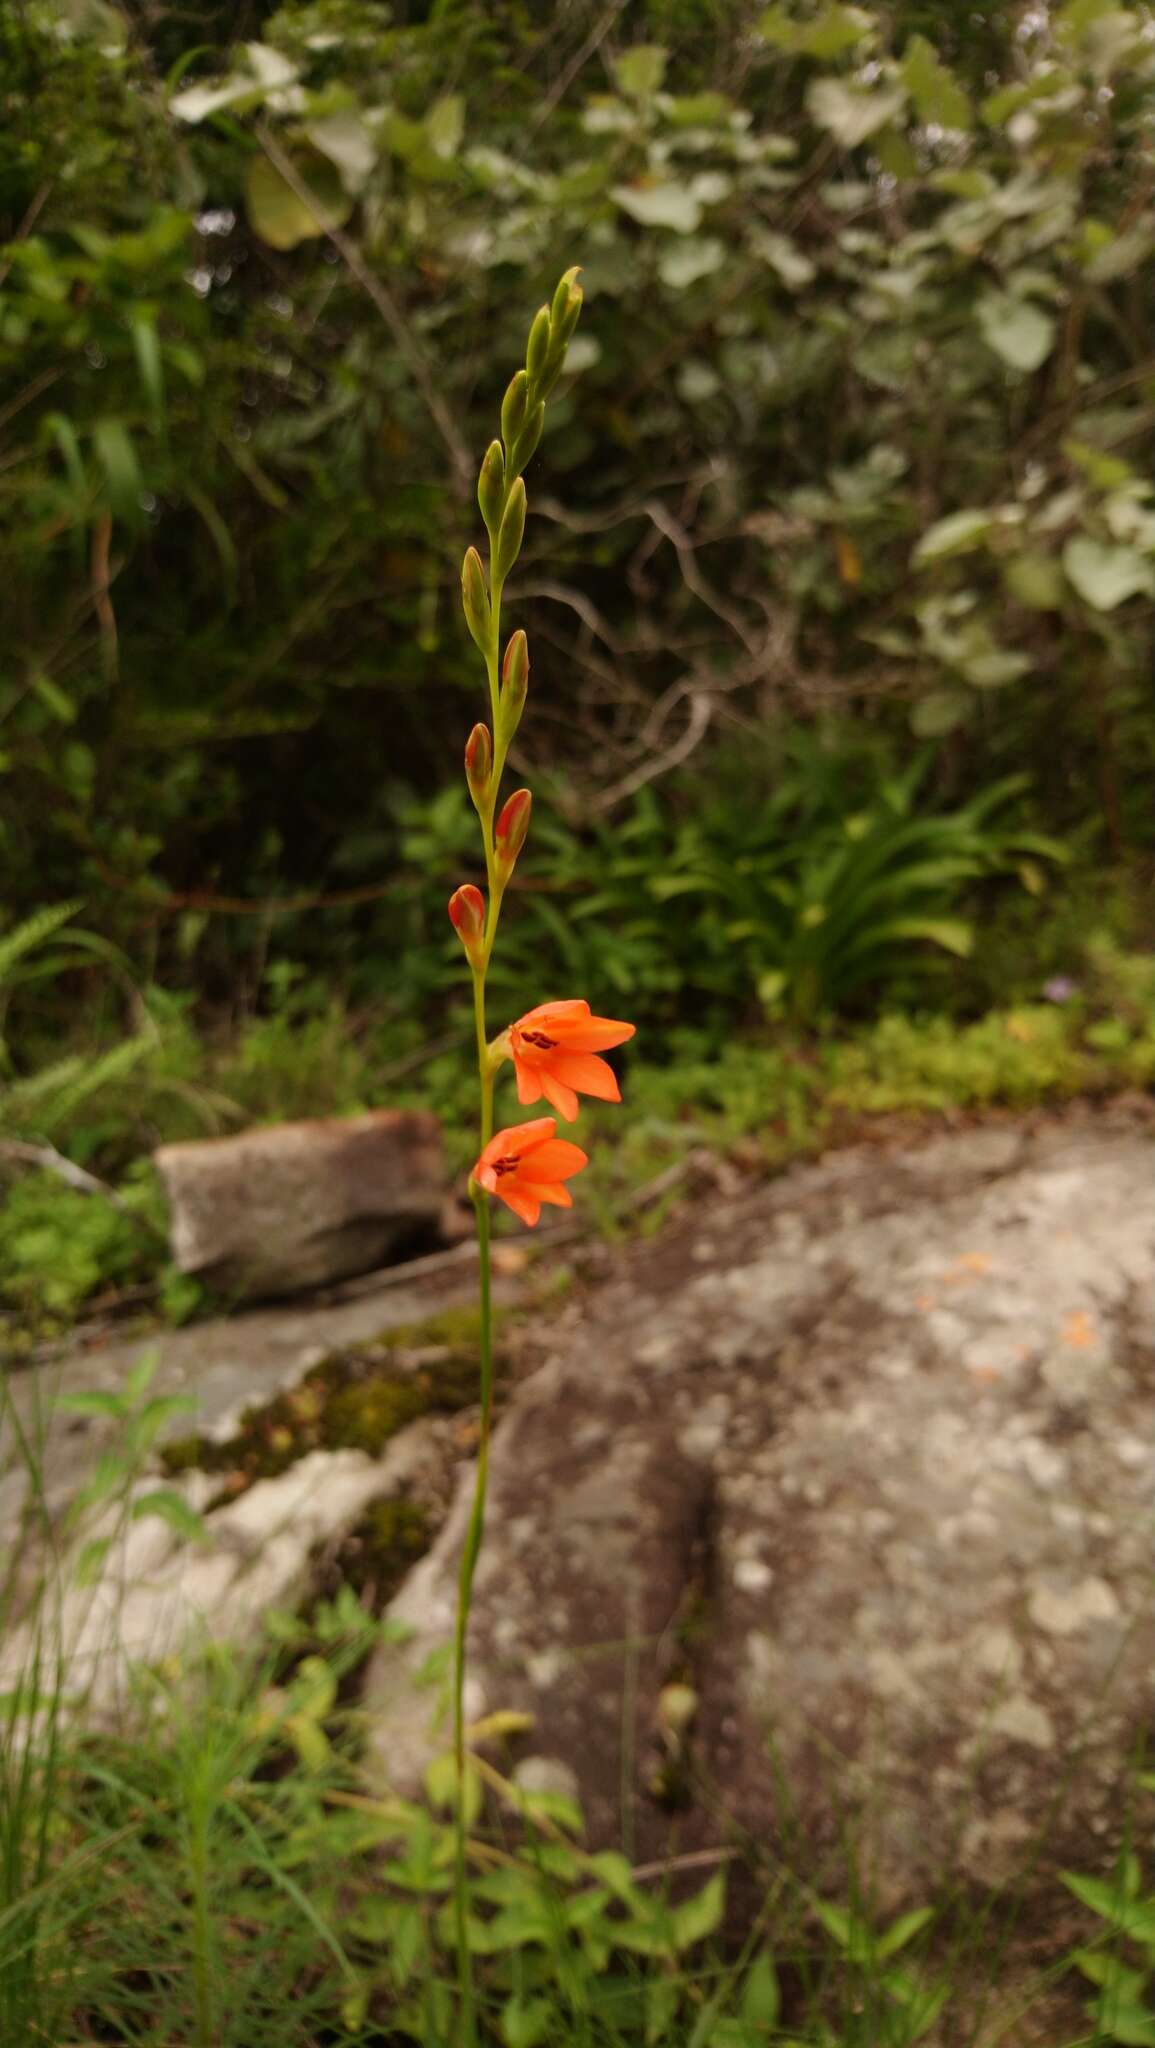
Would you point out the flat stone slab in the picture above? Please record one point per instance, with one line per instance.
(866, 1460)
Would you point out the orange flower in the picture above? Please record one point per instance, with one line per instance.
(526, 1166)
(554, 1050)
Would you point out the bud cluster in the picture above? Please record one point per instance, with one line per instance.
(502, 501)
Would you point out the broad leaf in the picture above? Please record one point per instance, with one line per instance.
(667, 205)
(1016, 329)
(280, 216)
(1105, 576)
(639, 72)
(849, 113)
(957, 534)
(936, 92)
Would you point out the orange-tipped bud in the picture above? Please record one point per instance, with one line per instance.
(479, 764)
(475, 598)
(514, 684)
(510, 830)
(467, 916)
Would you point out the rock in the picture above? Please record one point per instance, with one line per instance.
(300, 1205)
(871, 1480)
(158, 1592)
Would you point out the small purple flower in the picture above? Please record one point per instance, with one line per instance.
(1060, 988)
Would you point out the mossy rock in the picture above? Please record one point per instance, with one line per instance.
(354, 1400)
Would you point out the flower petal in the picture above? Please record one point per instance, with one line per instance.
(528, 1081)
(525, 1202)
(556, 1160)
(512, 1142)
(563, 1099)
(552, 1191)
(553, 1013)
(588, 1074)
(593, 1034)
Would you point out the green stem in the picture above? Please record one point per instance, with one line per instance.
(476, 1529)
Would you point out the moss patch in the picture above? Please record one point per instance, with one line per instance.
(356, 1399)
(376, 1556)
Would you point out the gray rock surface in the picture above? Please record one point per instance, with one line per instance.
(866, 1459)
(157, 1593)
(279, 1210)
(221, 1367)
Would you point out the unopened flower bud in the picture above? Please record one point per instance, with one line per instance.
(537, 347)
(510, 830)
(513, 408)
(507, 546)
(567, 305)
(475, 598)
(467, 916)
(491, 485)
(528, 438)
(514, 684)
(479, 764)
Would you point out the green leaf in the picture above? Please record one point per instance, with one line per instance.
(667, 205)
(936, 92)
(761, 1999)
(951, 933)
(786, 259)
(147, 349)
(956, 534)
(1035, 580)
(116, 455)
(197, 102)
(682, 264)
(441, 1786)
(91, 1404)
(171, 1507)
(1106, 576)
(445, 126)
(279, 216)
(848, 112)
(834, 31)
(347, 143)
(995, 667)
(904, 1930)
(54, 699)
(1018, 331)
(639, 72)
(526, 2021)
(696, 1919)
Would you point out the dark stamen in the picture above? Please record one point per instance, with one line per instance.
(539, 1039)
(501, 1166)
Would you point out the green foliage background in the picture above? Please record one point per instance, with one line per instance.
(858, 438)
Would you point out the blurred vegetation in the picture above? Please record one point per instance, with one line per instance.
(840, 572)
